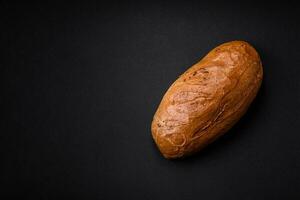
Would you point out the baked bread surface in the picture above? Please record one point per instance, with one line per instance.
(207, 99)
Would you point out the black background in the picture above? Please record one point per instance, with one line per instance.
(83, 80)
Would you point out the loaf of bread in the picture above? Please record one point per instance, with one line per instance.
(207, 99)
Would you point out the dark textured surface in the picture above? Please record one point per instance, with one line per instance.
(81, 83)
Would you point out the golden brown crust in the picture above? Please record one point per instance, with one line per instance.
(207, 99)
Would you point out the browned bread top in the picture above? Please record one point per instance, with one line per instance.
(207, 99)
